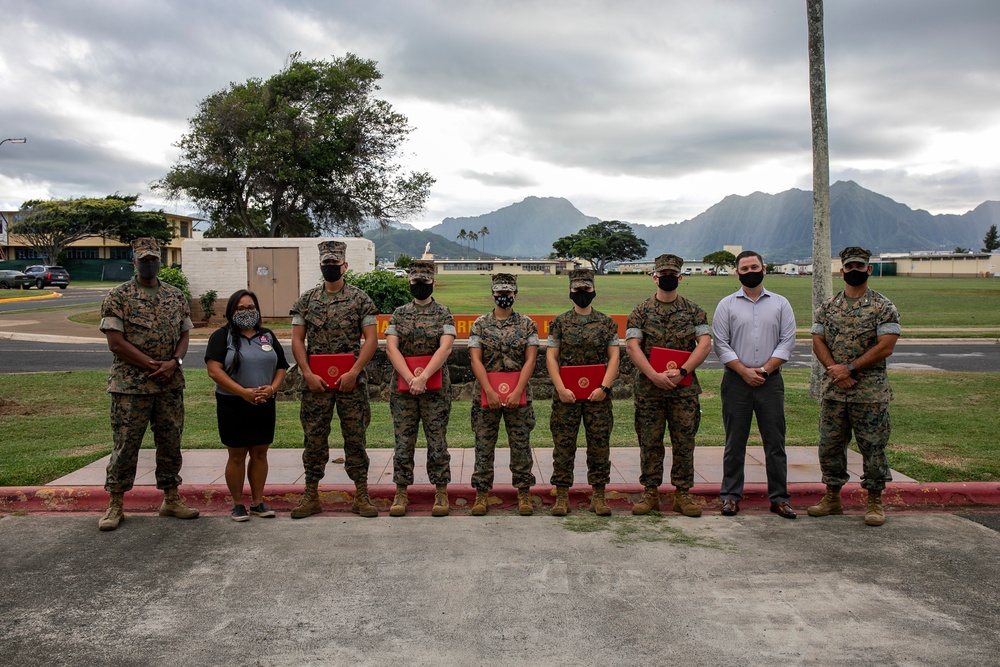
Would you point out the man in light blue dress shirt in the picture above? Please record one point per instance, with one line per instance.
(754, 334)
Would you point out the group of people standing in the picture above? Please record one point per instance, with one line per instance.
(147, 324)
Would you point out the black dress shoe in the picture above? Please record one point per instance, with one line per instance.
(731, 508)
(784, 510)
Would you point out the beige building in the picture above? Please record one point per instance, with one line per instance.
(95, 247)
(521, 267)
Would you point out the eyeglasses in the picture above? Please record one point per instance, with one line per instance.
(246, 309)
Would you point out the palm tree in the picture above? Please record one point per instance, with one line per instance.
(461, 236)
(482, 234)
(473, 237)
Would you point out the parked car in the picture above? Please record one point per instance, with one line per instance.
(49, 275)
(14, 279)
(400, 273)
(723, 272)
(686, 272)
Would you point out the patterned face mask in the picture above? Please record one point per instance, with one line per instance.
(504, 301)
(247, 320)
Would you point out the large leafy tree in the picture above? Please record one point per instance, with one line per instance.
(602, 242)
(720, 259)
(49, 226)
(308, 151)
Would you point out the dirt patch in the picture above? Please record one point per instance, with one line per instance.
(11, 408)
(89, 449)
(934, 458)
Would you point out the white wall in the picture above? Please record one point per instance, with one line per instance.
(223, 268)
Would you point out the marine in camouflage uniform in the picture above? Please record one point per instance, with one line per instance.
(332, 318)
(146, 322)
(853, 334)
(416, 330)
(496, 345)
(667, 320)
(582, 336)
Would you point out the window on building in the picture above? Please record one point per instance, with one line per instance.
(121, 253)
(27, 253)
(83, 253)
(185, 229)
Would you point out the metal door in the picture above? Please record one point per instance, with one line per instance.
(273, 274)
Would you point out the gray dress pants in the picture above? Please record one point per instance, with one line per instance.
(740, 402)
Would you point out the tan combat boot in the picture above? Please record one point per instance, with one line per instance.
(115, 513)
(684, 504)
(174, 506)
(561, 508)
(362, 504)
(598, 505)
(400, 502)
(481, 506)
(310, 503)
(650, 501)
(829, 505)
(874, 514)
(524, 505)
(440, 507)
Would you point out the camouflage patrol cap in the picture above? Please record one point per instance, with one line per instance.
(332, 250)
(669, 263)
(422, 269)
(145, 247)
(504, 282)
(855, 254)
(581, 278)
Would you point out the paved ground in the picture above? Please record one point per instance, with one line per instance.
(749, 590)
(207, 466)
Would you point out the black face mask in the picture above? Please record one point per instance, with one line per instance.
(421, 291)
(504, 301)
(148, 270)
(582, 299)
(331, 272)
(855, 278)
(752, 278)
(668, 283)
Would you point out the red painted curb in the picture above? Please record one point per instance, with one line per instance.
(214, 500)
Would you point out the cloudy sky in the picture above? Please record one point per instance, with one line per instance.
(642, 111)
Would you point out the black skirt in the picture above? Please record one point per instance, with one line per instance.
(243, 424)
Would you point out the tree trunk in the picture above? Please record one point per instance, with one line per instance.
(822, 287)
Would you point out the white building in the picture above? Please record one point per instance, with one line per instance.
(277, 270)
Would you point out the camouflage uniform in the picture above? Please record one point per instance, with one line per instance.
(334, 324)
(850, 330)
(503, 344)
(582, 340)
(419, 330)
(675, 325)
(152, 320)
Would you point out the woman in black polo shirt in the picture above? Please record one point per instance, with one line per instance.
(247, 364)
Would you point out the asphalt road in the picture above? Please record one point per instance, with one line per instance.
(501, 590)
(71, 296)
(29, 356)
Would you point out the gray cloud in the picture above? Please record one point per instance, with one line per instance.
(657, 89)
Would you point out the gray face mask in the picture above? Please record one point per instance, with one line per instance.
(246, 320)
(147, 270)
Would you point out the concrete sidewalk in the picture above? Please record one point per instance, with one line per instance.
(204, 484)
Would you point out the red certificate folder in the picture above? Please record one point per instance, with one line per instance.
(331, 366)
(582, 380)
(503, 384)
(664, 358)
(416, 366)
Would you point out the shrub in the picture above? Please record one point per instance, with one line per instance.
(386, 290)
(176, 278)
(207, 301)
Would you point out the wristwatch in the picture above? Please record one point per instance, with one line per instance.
(766, 374)
(850, 367)
(683, 372)
(180, 362)
(606, 390)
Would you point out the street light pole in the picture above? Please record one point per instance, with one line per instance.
(22, 140)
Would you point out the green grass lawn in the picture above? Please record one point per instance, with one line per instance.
(957, 306)
(943, 423)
